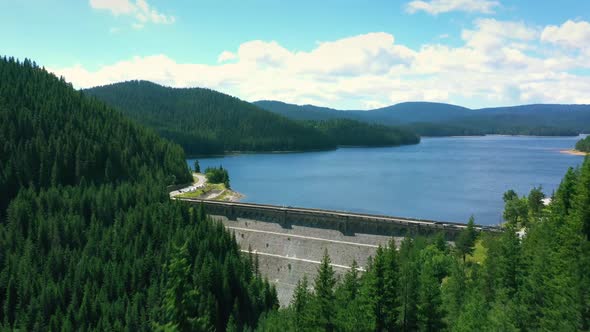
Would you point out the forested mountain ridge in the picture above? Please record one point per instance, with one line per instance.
(438, 119)
(53, 135)
(299, 112)
(345, 132)
(90, 240)
(205, 121)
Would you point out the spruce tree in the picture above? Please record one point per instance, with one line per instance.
(324, 299)
(466, 239)
(300, 304)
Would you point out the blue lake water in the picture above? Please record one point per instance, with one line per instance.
(445, 179)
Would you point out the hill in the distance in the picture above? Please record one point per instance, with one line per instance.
(439, 119)
(204, 121)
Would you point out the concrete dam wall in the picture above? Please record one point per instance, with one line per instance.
(290, 242)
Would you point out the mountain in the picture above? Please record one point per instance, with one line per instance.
(89, 238)
(299, 112)
(53, 135)
(537, 108)
(402, 113)
(414, 112)
(438, 119)
(204, 121)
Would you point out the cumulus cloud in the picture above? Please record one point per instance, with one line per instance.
(498, 63)
(140, 10)
(490, 34)
(435, 7)
(571, 34)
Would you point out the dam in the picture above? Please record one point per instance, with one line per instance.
(289, 242)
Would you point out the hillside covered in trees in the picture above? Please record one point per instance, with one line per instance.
(52, 135)
(485, 282)
(583, 144)
(89, 239)
(439, 119)
(344, 132)
(203, 121)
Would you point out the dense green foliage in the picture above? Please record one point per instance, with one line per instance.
(113, 258)
(205, 122)
(540, 282)
(217, 175)
(355, 133)
(90, 239)
(437, 119)
(583, 144)
(52, 135)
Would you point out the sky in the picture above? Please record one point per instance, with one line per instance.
(345, 54)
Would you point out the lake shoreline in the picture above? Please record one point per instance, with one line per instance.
(573, 152)
(439, 179)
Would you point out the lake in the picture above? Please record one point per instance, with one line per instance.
(446, 179)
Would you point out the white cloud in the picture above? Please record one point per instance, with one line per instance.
(490, 34)
(140, 10)
(571, 34)
(499, 63)
(116, 7)
(435, 7)
(226, 56)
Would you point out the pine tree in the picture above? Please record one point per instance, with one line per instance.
(535, 202)
(408, 287)
(179, 300)
(466, 239)
(300, 304)
(350, 282)
(324, 299)
(430, 314)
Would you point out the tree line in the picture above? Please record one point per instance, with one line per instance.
(344, 132)
(583, 144)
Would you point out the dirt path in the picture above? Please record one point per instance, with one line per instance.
(201, 179)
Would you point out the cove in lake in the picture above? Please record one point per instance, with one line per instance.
(446, 179)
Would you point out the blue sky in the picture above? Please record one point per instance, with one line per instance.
(344, 54)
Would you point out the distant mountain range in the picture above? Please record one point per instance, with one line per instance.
(439, 119)
(204, 121)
